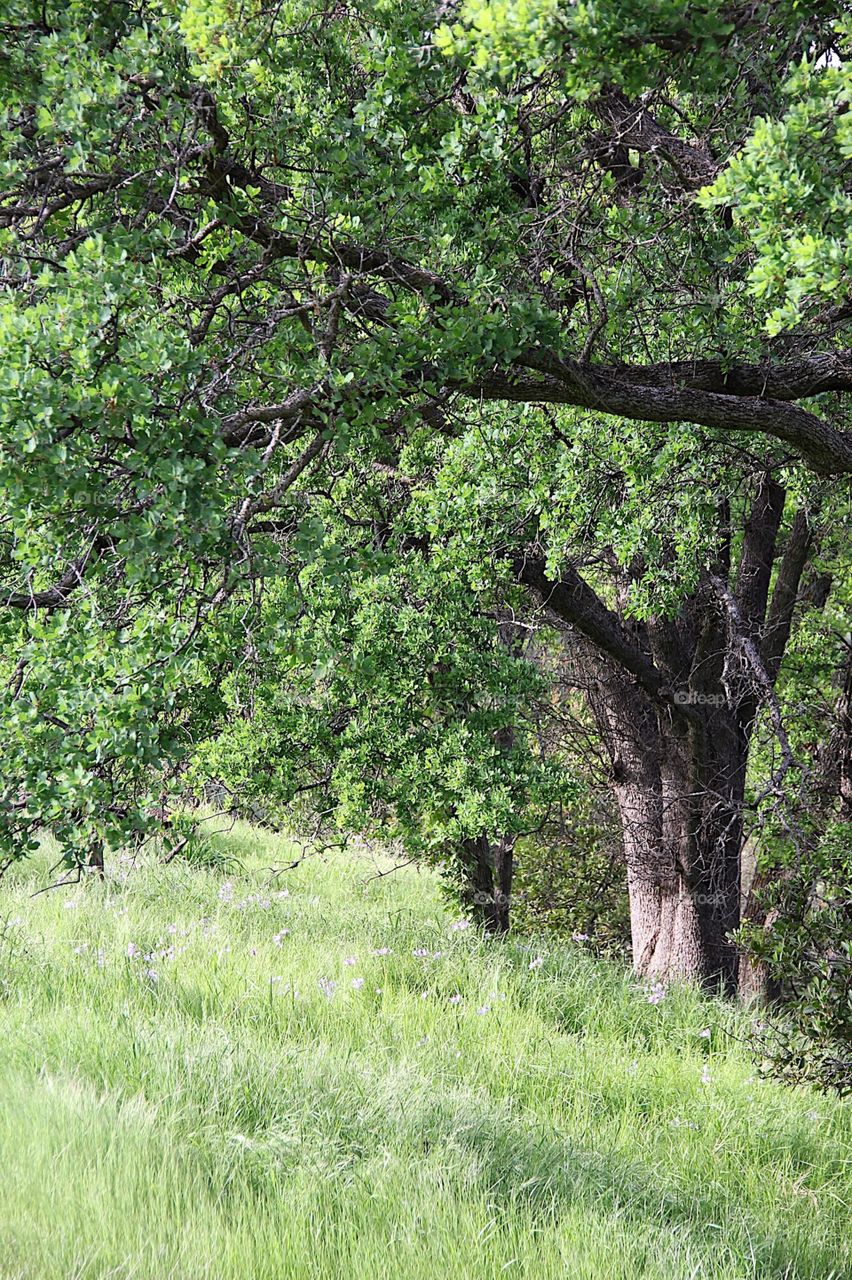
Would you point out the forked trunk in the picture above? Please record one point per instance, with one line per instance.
(675, 699)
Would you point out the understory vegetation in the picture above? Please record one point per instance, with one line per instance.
(232, 1071)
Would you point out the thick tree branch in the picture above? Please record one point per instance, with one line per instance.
(633, 126)
(57, 596)
(794, 378)
(758, 553)
(238, 428)
(779, 620)
(826, 449)
(572, 599)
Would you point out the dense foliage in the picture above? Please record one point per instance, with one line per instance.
(360, 358)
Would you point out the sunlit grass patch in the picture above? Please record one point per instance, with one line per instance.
(249, 1073)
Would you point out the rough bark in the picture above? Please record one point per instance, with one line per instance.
(679, 793)
(827, 450)
(633, 126)
(96, 860)
(843, 745)
(756, 984)
(490, 867)
(675, 702)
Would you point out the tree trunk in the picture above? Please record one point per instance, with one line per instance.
(488, 892)
(491, 862)
(703, 781)
(756, 984)
(504, 858)
(96, 859)
(679, 792)
(682, 836)
(675, 699)
(843, 745)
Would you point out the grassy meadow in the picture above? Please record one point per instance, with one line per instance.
(226, 1072)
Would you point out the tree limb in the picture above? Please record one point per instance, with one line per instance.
(826, 449)
(572, 599)
(633, 126)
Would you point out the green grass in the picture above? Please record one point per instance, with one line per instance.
(229, 1119)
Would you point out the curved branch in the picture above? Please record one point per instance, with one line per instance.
(792, 379)
(572, 599)
(826, 449)
(57, 596)
(633, 126)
